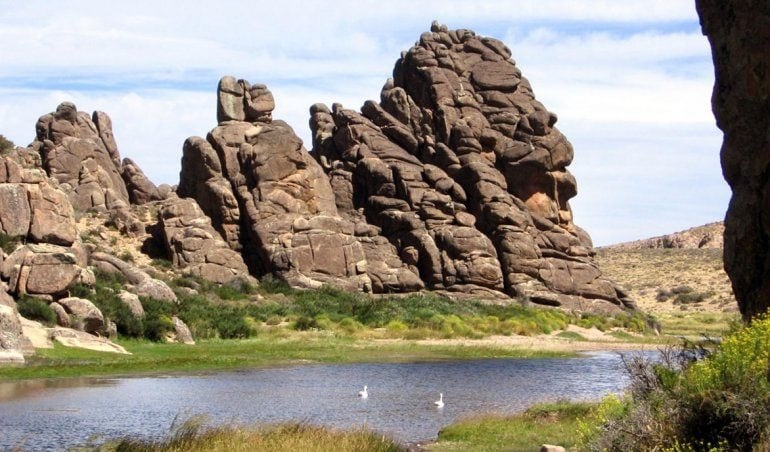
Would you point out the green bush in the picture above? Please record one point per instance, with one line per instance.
(305, 323)
(272, 285)
(231, 324)
(691, 402)
(35, 309)
(9, 243)
(5, 144)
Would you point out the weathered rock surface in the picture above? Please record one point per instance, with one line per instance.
(140, 283)
(195, 246)
(707, 236)
(456, 180)
(739, 33)
(266, 194)
(131, 300)
(140, 189)
(87, 316)
(10, 335)
(182, 332)
(73, 338)
(31, 208)
(80, 152)
(465, 174)
(43, 269)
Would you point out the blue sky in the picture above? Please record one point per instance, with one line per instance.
(630, 81)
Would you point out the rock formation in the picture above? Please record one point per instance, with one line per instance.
(739, 33)
(465, 173)
(196, 247)
(707, 236)
(266, 194)
(456, 180)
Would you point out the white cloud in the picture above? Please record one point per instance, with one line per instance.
(630, 81)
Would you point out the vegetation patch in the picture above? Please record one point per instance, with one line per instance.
(36, 309)
(694, 399)
(195, 435)
(551, 423)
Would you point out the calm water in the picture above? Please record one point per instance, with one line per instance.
(56, 415)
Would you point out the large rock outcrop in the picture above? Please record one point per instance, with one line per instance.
(465, 173)
(456, 180)
(80, 152)
(739, 33)
(267, 195)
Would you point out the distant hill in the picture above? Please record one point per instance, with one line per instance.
(671, 273)
(707, 236)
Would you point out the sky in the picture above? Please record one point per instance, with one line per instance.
(630, 82)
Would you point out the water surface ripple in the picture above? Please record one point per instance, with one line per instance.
(55, 415)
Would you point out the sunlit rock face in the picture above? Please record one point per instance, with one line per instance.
(739, 33)
(456, 180)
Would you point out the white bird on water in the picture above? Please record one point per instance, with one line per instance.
(363, 393)
(440, 402)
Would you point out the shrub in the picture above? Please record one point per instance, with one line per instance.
(162, 263)
(36, 309)
(5, 144)
(231, 324)
(305, 323)
(696, 400)
(350, 325)
(9, 243)
(126, 256)
(271, 284)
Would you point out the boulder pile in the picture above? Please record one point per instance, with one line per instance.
(456, 180)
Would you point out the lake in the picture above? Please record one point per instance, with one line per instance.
(57, 414)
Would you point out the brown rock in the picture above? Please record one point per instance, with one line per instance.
(739, 33)
(464, 172)
(194, 245)
(88, 317)
(62, 318)
(41, 269)
(140, 189)
(132, 302)
(81, 154)
(182, 333)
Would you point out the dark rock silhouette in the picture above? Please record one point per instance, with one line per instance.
(739, 33)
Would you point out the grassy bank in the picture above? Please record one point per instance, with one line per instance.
(549, 423)
(193, 436)
(219, 354)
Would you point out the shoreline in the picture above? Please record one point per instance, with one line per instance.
(207, 357)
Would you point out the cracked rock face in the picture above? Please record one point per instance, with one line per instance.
(455, 180)
(739, 33)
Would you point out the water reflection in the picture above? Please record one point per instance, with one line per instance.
(63, 413)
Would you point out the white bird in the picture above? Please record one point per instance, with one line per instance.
(363, 393)
(440, 402)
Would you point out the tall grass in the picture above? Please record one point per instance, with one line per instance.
(193, 435)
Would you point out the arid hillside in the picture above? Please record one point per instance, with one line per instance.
(678, 272)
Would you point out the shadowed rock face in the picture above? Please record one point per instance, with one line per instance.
(739, 33)
(456, 180)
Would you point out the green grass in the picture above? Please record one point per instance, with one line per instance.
(697, 324)
(549, 423)
(153, 357)
(571, 335)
